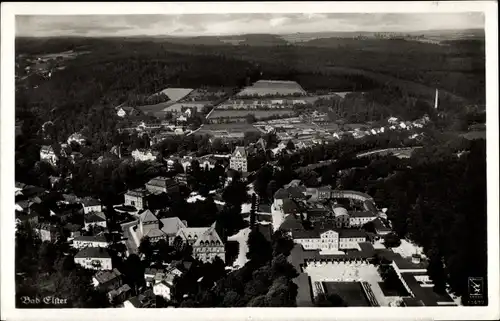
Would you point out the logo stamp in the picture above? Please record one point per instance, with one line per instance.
(476, 291)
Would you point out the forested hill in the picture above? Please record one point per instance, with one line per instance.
(115, 69)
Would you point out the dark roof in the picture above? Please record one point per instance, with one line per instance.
(88, 201)
(350, 233)
(370, 206)
(135, 302)
(305, 234)
(266, 230)
(91, 238)
(106, 276)
(72, 227)
(289, 206)
(412, 302)
(281, 194)
(362, 214)
(264, 208)
(401, 262)
(94, 217)
(93, 252)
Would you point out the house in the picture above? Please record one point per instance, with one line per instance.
(324, 237)
(47, 232)
(47, 154)
(73, 229)
(119, 295)
(144, 300)
(107, 280)
(155, 229)
(95, 219)
(123, 111)
(136, 198)
(182, 119)
(80, 242)
(182, 178)
(239, 160)
(77, 138)
(95, 258)
(145, 155)
(205, 241)
(161, 184)
(91, 205)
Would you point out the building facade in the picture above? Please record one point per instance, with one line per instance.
(136, 198)
(80, 242)
(94, 258)
(239, 161)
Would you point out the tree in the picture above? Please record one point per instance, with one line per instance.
(290, 145)
(259, 249)
(392, 240)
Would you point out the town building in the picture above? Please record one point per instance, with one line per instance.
(205, 241)
(95, 258)
(119, 295)
(145, 155)
(137, 198)
(47, 232)
(82, 241)
(182, 178)
(94, 219)
(161, 184)
(155, 229)
(91, 205)
(327, 237)
(107, 280)
(143, 300)
(47, 154)
(358, 219)
(76, 138)
(239, 160)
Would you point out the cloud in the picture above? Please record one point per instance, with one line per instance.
(225, 24)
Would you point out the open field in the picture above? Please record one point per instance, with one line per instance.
(230, 128)
(242, 113)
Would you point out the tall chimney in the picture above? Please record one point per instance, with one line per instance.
(436, 100)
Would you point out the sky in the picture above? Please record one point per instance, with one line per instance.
(233, 24)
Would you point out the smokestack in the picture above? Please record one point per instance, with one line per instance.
(436, 100)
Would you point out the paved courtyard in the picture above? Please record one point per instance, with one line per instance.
(347, 272)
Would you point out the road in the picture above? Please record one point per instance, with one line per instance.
(131, 245)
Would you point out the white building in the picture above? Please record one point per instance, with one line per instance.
(94, 258)
(91, 205)
(357, 219)
(48, 155)
(329, 239)
(145, 155)
(83, 241)
(239, 160)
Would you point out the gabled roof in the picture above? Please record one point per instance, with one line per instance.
(171, 225)
(91, 238)
(93, 252)
(239, 152)
(291, 222)
(281, 194)
(210, 237)
(192, 232)
(95, 217)
(155, 232)
(106, 276)
(89, 201)
(147, 216)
